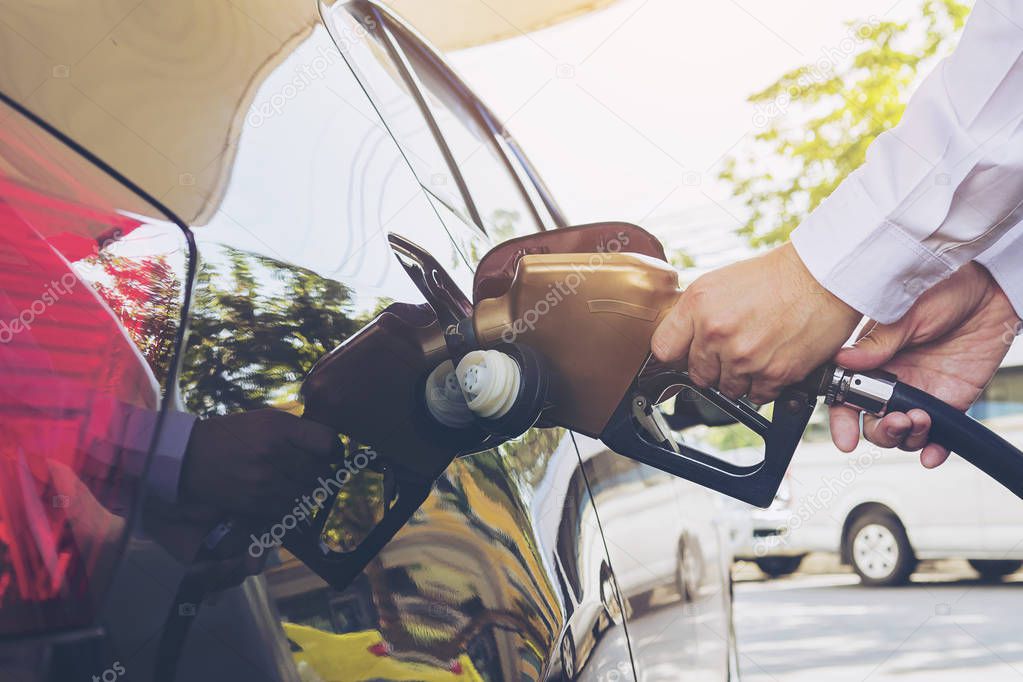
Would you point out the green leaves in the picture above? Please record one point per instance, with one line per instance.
(815, 122)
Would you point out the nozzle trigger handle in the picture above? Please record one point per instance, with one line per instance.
(755, 484)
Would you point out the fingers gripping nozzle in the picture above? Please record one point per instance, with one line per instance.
(502, 390)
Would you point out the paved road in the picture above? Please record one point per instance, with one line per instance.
(942, 627)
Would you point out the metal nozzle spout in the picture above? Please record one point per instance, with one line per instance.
(867, 391)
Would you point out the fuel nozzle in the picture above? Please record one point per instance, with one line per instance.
(502, 390)
(490, 381)
(485, 384)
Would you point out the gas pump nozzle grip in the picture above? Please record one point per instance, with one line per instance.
(876, 392)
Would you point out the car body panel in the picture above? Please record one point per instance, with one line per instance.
(669, 548)
(246, 123)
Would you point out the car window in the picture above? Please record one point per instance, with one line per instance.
(818, 429)
(468, 170)
(362, 39)
(477, 151)
(1002, 400)
(610, 473)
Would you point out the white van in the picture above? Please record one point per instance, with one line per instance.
(883, 512)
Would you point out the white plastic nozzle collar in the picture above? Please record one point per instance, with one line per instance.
(444, 397)
(490, 382)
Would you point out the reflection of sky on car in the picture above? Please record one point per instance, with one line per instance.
(346, 238)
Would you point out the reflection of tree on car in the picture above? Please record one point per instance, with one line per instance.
(248, 339)
(143, 293)
(236, 362)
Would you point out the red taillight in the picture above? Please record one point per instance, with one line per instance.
(78, 402)
(379, 649)
(456, 667)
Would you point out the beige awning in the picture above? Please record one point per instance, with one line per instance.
(455, 24)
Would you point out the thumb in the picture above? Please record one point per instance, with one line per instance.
(874, 348)
(671, 340)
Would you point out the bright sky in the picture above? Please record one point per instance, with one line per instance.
(628, 112)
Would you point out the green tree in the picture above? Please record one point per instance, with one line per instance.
(816, 121)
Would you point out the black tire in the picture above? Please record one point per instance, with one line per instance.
(641, 603)
(778, 566)
(879, 550)
(995, 569)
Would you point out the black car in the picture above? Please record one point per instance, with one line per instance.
(198, 201)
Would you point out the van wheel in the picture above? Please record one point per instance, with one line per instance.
(995, 569)
(880, 550)
(567, 650)
(777, 566)
(688, 569)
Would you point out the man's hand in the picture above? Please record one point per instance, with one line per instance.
(754, 327)
(256, 463)
(949, 344)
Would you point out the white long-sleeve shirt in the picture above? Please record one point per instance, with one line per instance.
(942, 188)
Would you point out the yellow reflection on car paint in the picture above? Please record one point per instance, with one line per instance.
(362, 656)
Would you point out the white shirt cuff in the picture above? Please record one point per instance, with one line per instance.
(169, 454)
(864, 259)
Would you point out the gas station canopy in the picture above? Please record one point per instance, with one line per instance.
(457, 24)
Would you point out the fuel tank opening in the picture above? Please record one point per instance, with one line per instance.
(503, 389)
(490, 381)
(444, 398)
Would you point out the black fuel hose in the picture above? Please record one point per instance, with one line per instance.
(964, 435)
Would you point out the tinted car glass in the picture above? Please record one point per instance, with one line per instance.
(360, 35)
(477, 151)
(1003, 397)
